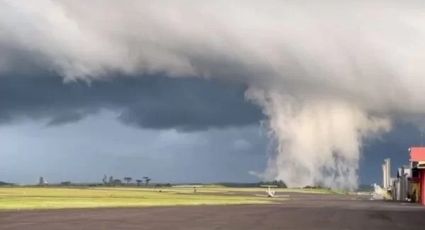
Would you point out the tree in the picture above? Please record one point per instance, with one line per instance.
(138, 181)
(127, 179)
(147, 180)
(105, 179)
(279, 183)
(66, 183)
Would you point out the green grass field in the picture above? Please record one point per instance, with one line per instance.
(23, 198)
(17, 198)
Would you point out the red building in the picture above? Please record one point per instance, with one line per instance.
(417, 160)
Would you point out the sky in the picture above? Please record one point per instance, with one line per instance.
(308, 93)
(139, 127)
(187, 130)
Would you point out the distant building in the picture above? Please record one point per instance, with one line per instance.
(409, 183)
(42, 181)
(386, 174)
(417, 163)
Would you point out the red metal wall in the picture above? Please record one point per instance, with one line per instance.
(422, 186)
(417, 154)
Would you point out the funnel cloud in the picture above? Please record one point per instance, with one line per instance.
(327, 75)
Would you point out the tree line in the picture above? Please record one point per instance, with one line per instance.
(128, 181)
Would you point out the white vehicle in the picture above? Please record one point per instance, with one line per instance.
(270, 193)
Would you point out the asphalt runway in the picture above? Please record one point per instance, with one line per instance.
(302, 211)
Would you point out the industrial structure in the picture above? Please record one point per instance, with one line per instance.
(42, 181)
(386, 174)
(417, 162)
(409, 182)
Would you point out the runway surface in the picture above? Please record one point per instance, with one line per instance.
(302, 211)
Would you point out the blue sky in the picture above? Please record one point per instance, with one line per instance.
(99, 144)
(86, 150)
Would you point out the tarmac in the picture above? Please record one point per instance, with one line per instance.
(300, 211)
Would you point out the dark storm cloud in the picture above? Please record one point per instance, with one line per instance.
(66, 118)
(152, 102)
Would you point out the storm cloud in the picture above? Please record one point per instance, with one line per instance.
(327, 75)
(154, 102)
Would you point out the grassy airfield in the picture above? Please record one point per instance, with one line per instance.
(16, 198)
(24, 198)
